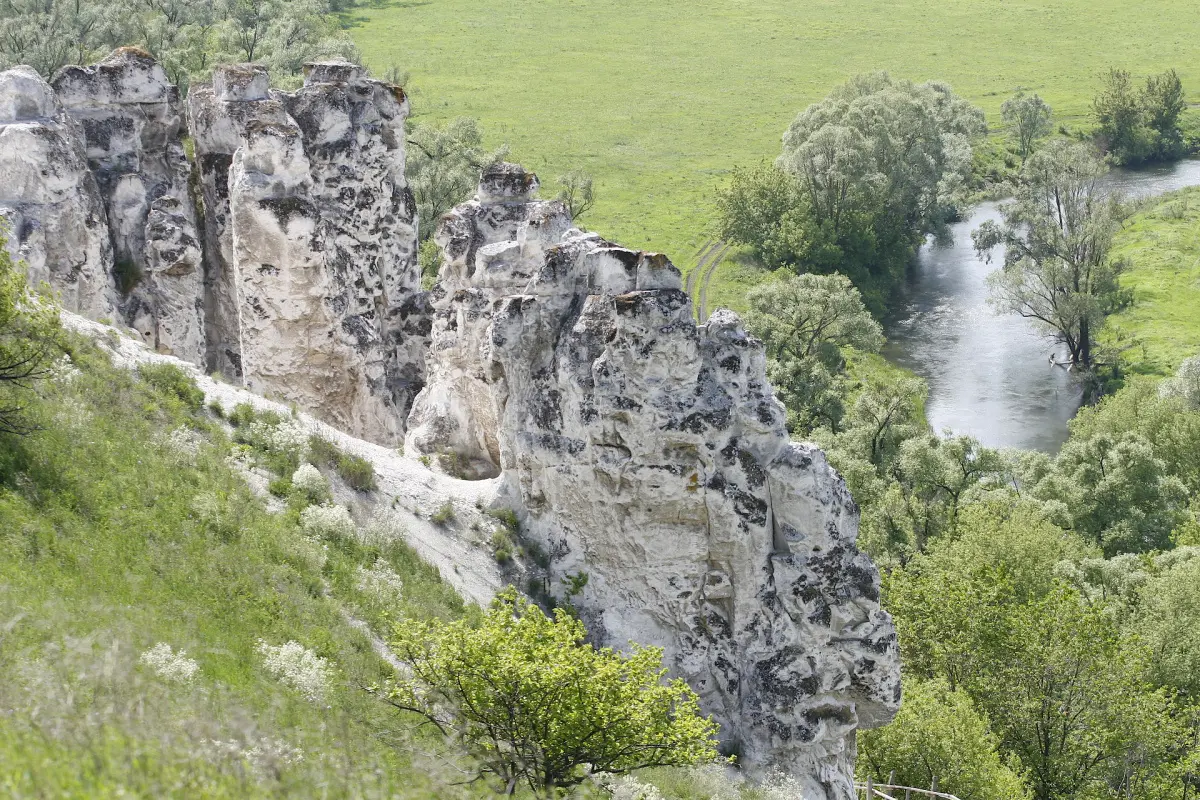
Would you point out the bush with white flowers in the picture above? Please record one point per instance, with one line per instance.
(309, 481)
(288, 436)
(298, 667)
(327, 521)
(381, 582)
(182, 445)
(169, 664)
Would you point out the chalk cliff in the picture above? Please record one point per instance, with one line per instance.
(649, 454)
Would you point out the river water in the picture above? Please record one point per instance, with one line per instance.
(989, 375)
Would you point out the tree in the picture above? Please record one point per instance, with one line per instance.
(1057, 233)
(938, 733)
(862, 177)
(443, 166)
(1115, 492)
(1029, 118)
(533, 703)
(1135, 127)
(1063, 688)
(30, 334)
(804, 321)
(1163, 103)
(576, 192)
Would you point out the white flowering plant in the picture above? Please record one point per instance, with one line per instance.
(169, 664)
(308, 482)
(299, 668)
(327, 521)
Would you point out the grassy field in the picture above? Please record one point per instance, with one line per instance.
(658, 100)
(1162, 244)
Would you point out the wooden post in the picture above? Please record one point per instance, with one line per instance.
(907, 793)
(870, 789)
(892, 778)
(933, 786)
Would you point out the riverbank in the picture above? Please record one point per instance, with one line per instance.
(1162, 245)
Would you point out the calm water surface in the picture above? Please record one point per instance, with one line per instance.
(989, 375)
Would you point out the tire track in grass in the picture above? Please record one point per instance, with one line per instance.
(705, 250)
(717, 256)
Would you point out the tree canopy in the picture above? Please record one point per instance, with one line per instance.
(533, 703)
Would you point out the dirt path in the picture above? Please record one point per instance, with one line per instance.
(716, 256)
(694, 276)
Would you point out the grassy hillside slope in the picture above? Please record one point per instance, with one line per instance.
(125, 525)
(660, 99)
(1162, 246)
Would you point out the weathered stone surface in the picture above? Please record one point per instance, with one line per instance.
(313, 182)
(218, 117)
(49, 201)
(132, 122)
(651, 454)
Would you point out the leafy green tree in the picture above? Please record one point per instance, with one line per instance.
(1064, 689)
(188, 38)
(30, 336)
(1116, 493)
(804, 321)
(443, 166)
(1163, 103)
(1029, 118)
(1138, 126)
(756, 209)
(1057, 233)
(938, 733)
(534, 704)
(576, 192)
(1118, 110)
(863, 176)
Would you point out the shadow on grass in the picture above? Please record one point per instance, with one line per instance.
(349, 19)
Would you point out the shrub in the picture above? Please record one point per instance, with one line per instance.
(327, 521)
(170, 381)
(298, 667)
(444, 514)
(357, 472)
(496, 689)
(169, 665)
(309, 481)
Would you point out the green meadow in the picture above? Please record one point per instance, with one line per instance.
(659, 100)
(1161, 244)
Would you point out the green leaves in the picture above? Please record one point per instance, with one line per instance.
(533, 703)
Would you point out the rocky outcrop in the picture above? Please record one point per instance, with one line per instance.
(304, 282)
(50, 205)
(132, 123)
(649, 454)
(311, 242)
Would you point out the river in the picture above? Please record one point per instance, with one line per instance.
(989, 375)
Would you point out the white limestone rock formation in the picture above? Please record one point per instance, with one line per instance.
(132, 122)
(650, 454)
(218, 117)
(50, 206)
(311, 242)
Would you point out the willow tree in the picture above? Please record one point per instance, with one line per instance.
(1057, 236)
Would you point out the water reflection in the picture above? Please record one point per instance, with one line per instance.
(989, 375)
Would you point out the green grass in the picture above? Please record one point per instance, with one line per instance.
(1162, 244)
(113, 539)
(660, 99)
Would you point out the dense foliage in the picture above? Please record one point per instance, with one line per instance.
(863, 176)
(536, 705)
(187, 37)
(1140, 125)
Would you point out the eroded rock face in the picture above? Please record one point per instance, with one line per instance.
(50, 205)
(132, 123)
(311, 233)
(650, 454)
